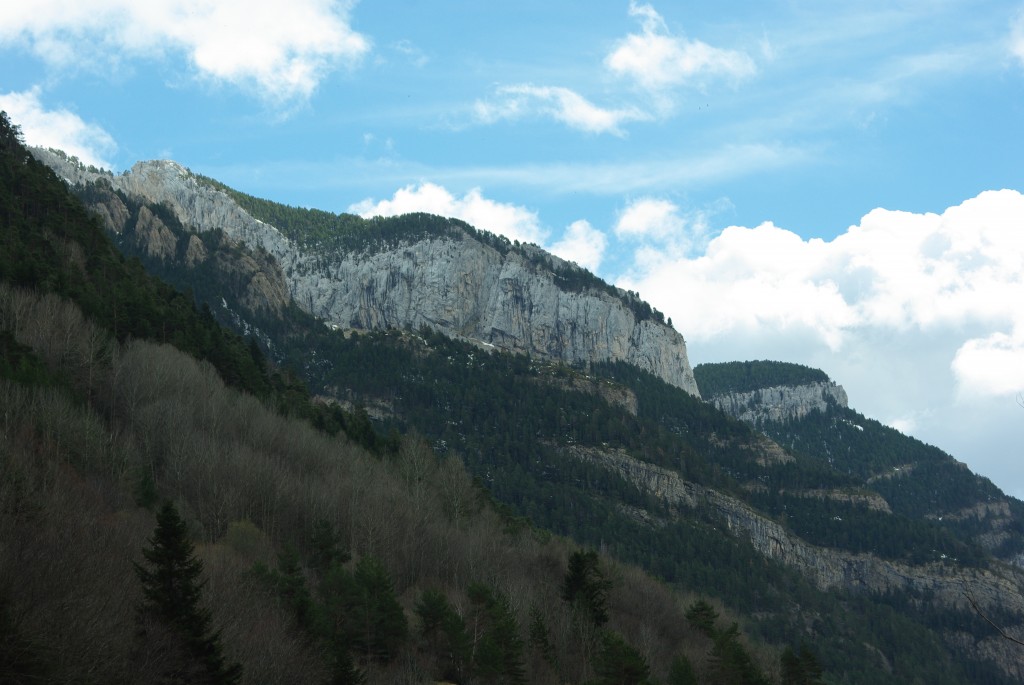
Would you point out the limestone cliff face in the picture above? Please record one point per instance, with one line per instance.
(455, 284)
(1000, 585)
(471, 290)
(780, 403)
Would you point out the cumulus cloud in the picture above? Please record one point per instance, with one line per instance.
(957, 278)
(279, 50)
(512, 221)
(657, 60)
(560, 104)
(664, 229)
(993, 365)
(650, 217)
(583, 244)
(59, 129)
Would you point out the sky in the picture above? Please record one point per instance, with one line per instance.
(830, 183)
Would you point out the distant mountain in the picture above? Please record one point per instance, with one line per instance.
(576, 408)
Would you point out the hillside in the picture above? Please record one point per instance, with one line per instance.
(400, 272)
(622, 460)
(299, 530)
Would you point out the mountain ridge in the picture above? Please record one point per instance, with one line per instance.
(749, 467)
(465, 287)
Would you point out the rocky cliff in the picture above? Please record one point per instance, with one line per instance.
(454, 283)
(780, 403)
(997, 587)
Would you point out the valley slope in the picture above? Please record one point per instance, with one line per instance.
(575, 405)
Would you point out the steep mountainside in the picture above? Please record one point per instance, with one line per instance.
(813, 420)
(438, 273)
(809, 533)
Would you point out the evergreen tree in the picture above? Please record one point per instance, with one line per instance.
(444, 634)
(498, 652)
(681, 672)
(585, 586)
(361, 610)
(172, 587)
(800, 668)
(702, 616)
(619, 663)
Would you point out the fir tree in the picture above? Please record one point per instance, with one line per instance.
(172, 585)
(585, 586)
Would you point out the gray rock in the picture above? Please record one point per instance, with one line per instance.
(780, 403)
(456, 285)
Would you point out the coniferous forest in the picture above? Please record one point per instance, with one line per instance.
(179, 505)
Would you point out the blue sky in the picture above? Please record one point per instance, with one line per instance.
(836, 184)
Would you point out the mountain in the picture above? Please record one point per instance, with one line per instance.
(408, 273)
(313, 550)
(816, 523)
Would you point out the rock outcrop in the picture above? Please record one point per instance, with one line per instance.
(1000, 585)
(780, 403)
(456, 284)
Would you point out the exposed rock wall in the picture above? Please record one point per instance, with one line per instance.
(998, 586)
(467, 289)
(456, 285)
(780, 403)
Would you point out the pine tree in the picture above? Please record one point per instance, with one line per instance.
(619, 663)
(172, 586)
(585, 586)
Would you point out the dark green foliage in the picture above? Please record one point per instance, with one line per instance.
(444, 635)
(681, 672)
(540, 638)
(172, 585)
(702, 616)
(619, 663)
(289, 583)
(731, 662)
(361, 611)
(315, 619)
(44, 228)
(19, 363)
(800, 669)
(498, 648)
(585, 586)
(326, 547)
(727, 377)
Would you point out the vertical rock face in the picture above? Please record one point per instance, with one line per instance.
(467, 289)
(455, 283)
(780, 403)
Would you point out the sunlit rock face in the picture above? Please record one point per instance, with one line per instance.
(781, 403)
(455, 284)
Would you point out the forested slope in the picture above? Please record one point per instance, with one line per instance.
(252, 483)
(321, 561)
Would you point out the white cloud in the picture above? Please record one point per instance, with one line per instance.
(281, 50)
(658, 60)
(512, 221)
(561, 104)
(650, 217)
(919, 316)
(654, 59)
(664, 229)
(953, 281)
(993, 365)
(1017, 38)
(59, 129)
(583, 244)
